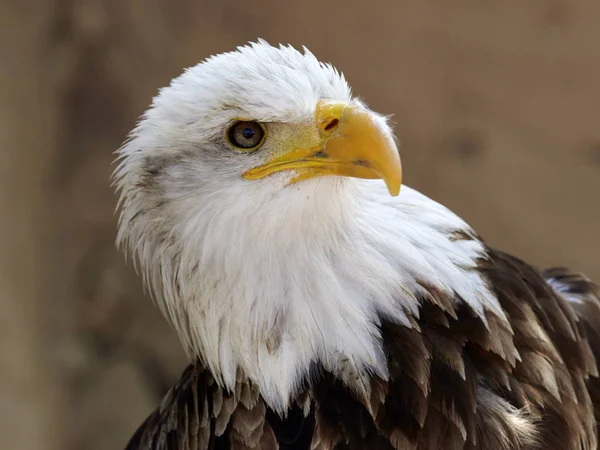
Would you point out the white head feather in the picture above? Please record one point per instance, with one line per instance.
(263, 278)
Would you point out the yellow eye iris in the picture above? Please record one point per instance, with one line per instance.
(246, 135)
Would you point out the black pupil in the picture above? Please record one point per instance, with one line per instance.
(248, 133)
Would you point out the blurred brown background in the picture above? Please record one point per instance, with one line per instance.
(497, 105)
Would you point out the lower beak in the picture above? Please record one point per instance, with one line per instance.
(354, 142)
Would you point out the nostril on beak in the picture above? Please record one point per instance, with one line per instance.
(331, 125)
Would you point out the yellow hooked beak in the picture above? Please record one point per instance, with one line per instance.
(350, 143)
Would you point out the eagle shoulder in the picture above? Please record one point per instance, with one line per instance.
(456, 381)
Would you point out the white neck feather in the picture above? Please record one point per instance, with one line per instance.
(267, 289)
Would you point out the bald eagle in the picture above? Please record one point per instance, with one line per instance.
(320, 309)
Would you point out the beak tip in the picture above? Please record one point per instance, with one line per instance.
(394, 191)
(393, 184)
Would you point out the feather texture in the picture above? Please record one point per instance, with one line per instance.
(447, 388)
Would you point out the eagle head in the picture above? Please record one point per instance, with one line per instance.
(255, 196)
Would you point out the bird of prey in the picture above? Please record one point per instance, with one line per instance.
(322, 304)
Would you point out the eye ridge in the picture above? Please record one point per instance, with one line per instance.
(246, 135)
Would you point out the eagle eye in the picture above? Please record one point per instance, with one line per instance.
(246, 135)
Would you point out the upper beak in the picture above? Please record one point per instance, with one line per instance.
(352, 142)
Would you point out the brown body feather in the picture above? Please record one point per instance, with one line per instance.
(455, 383)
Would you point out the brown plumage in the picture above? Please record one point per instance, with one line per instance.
(455, 382)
